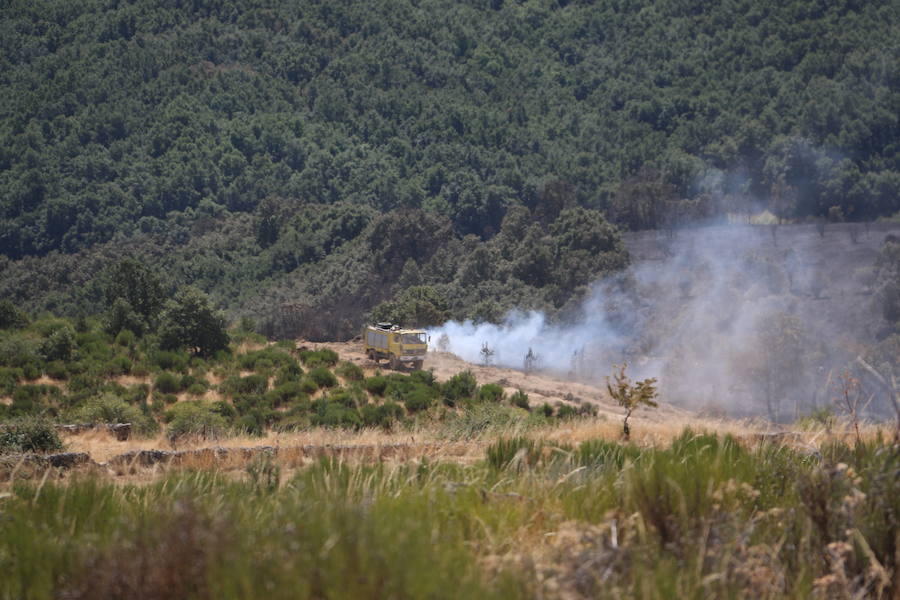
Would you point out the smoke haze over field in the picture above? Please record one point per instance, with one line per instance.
(748, 320)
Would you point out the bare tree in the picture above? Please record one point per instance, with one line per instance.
(487, 354)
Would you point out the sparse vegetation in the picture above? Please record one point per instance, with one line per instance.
(704, 515)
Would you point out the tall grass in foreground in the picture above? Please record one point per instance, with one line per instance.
(704, 517)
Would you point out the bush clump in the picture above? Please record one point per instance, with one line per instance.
(382, 415)
(167, 383)
(350, 371)
(195, 418)
(377, 384)
(29, 435)
(335, 414)
(323, 377)
(490, 392)
(520, 399)
(461, 386)
(110, 408)
(323, 357)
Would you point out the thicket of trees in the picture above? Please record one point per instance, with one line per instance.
(227, 142)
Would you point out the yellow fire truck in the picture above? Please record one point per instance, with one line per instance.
(398, 346)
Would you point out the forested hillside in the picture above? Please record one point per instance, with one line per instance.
(290, 158)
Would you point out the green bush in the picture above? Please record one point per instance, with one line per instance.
(17, 350)
(288, 372)
(59, 345)
(566, 411)
(323, 357)
(224, 409)
(118, 365)
(30, 398)
(125, 338)
(383, 415)
(286, 393)
(333, 414)
(137, 393)
(56, 370)
(323, 377)
(418, 399)
(29, 435)
(9, 378)
(167, 383)
(112, 409)
(519, 399)
(196, 389)
(490, 392)
(350, 371)
(251, 384)
(546, 410)
(377, 384)
(265, 359)
(32, 371)
(308, 386)
(11, 317)
(459, 387)
(194, 418)
(171, 361)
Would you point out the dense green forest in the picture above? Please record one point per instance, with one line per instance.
(303, 162)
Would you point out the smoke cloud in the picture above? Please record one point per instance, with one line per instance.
(737, 319)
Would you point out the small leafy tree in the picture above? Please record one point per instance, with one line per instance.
(188, 321)
(630, 395)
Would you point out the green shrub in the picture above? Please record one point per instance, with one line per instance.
(125, 338)
(323, 357)
(251, 384)
(56, 370)
(32, 371)
(349, 371)
(194, 418)
(118, 365)
(418, 399)
(112, 409)
(9, 378)
(459, 387)
(546, 410)
(377, 384)
(59, 345)
(137, 393)
(286, 393)
(166, 398)
(490, 392)
(224, 409)
(29, 435)
(383, 415)
(519, 399)
(32, 398)
(346, 397)
(323, 377)
(308, 386)
(167, 383)
(11, 317)
(171, 361)
(566, 411)
(333, 414)
(288, 372)
(197, 389)
(17, 350)
(265, 359)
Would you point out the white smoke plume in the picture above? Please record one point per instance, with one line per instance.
(739, 319)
